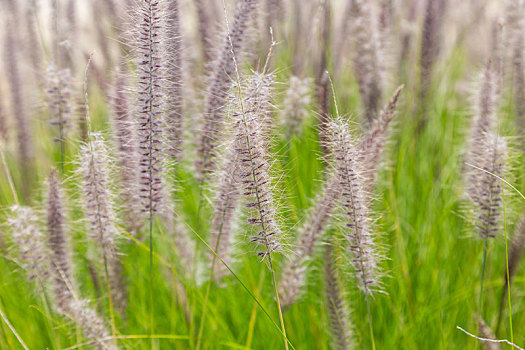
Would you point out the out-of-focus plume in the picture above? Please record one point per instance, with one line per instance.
(127, 155)
(19, 108)
(337, 308)
(371, 148)
(367, 58)
(219, 85)
(174, 81)
(58, 244)
(97, 193)
(33, 252)
(365, 252)
(296, 102)
(293, 277)
(322, 79)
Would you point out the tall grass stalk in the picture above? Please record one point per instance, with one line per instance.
(258, 200)
(507, 264)
(90, 141)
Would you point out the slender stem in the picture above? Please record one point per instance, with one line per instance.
(8, 174)
(507, 265)
(212, 271)
(13, 330)
(485, 245)
(151, 318)
(110, 301)
(281, 319)
(370, 325)
(251, 325)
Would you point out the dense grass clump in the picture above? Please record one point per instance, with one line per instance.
(276, 174)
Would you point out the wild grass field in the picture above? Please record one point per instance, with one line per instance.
(262, 174)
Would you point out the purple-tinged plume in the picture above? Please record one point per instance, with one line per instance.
(225, 203)
(174, 81)
(59, 99)
(127, 154)
(337, 308)
(367, 58)
(219, 85)
(150, 107)
(296, 101)
(293, 277)
(371, 148)
(32, 248)
(365, 252)
(58, 244)
(206, 24)
(91, 324)
(97, 194)
(482, 123)
(486, 332)
(489, 187)
(254, 174)
(22, 120)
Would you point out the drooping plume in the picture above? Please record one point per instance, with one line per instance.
(219, 85)
(365, 254)
(367, 58)
(33, 252)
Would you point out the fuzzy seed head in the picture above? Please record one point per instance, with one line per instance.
(125, 131)
(150, 107)
(59, 98)
(364, 251)
(91, 324)
(309, 237)
(337, 308)
(372, 145)
(174, 81)
(225, 203)
(367, 56)
(219, 85)
(97, 193)
(489, 187)
(296, 101)
(30, 241)
(58, 244)
(254, 173)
